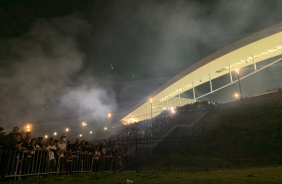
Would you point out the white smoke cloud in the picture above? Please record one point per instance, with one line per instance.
(38, 85)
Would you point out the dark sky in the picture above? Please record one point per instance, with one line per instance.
(68, 61)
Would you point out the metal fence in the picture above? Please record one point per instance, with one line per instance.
(182, 150)
(190, 150)
(14, 163)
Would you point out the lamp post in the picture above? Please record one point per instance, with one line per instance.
(83, 125)
(151, 100)
(109, 116)
(28, 127)
(237, 70)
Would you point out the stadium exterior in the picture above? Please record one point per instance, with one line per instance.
(248, 51)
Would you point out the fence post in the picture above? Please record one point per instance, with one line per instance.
(136, 154)
(237, 150)
(254, 136)
(204, 138)
(168, 159)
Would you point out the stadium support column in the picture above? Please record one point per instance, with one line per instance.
(151, 100)
(167, 102)
(179, 97)
(255, 65)
(231, 80)
(193, 90)
(210, 82)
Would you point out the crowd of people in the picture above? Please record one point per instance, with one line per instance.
(164, 121)
(63, 155)
(55, 154)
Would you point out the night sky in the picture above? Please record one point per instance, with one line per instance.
(65, 61)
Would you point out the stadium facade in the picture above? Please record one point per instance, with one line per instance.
(251, 50)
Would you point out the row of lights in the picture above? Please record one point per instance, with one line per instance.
(28, 128)
(173, 93)
(236, 95)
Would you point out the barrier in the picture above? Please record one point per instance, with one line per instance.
(15, 163)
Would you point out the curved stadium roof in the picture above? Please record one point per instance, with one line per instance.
(258, 47)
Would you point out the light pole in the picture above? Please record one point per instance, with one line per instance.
(109, 116)
(28, 128)
(151, 100)
(237, 70)
(236, 95)
(83, 125)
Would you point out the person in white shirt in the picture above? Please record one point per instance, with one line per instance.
(51, 149)
(61, 146)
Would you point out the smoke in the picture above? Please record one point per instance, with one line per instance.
(72, 68)
(41, 81)
(173, 35)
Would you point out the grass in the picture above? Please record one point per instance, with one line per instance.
(269, 175)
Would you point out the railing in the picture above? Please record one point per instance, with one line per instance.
(190, 150)
(14, 163)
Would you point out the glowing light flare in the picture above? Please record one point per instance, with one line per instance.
(90, 132)
(237, 70)
(55, 133)
(236, 95)
(46, 136)
(84, 124)
(172, 110)
(151, 100)
(67, 129)
(109, 115)
(106, 128)
(80, 135)
(28, 127)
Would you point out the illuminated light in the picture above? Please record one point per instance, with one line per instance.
(67, 129)
(46, 136)
(106, 128)
(109, 115)
(237, 70)
(28, 127)
(55, 133)
(249, 58)
(90, 132)
(84, 124)
(236, 95)
(80, 135)
(151, 100)
(172, 108)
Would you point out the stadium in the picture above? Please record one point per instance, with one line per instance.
(248, 51)
(169, 131)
